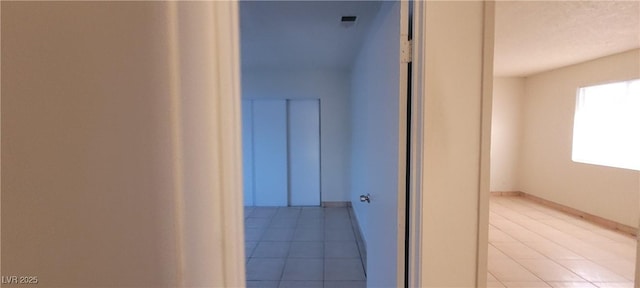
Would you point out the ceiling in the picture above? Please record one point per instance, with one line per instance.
(530, 36)
(303, 34)
(535, 36)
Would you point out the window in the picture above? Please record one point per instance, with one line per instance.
(607, 125)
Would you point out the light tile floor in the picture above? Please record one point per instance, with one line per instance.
(302, 247)
(531, 245)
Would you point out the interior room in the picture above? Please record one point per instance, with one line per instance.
(555, 219)
(312, 129)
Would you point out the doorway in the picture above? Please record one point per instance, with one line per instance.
(323, 85)
(555, 221)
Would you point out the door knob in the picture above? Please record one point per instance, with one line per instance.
(365, 198)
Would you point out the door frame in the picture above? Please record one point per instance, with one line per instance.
(228, 108)
(636, 283)
(403, 126)
(418, 126)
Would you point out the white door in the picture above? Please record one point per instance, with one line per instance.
(304, 152)
(379, 106)
(385, 253)
(270, 152)
(385, 244)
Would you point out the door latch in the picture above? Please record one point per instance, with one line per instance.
(365, 198)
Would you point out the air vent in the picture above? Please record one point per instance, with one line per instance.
(349, 18)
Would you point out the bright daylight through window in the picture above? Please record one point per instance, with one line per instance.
(607, 125)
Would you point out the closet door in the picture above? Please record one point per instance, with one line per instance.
(270, 152)
(304, 152)
(247, 152)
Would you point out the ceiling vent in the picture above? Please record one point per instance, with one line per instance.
(346, 19)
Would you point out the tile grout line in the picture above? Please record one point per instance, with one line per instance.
(516, 261)
(502, 215)
(548, 258)
(286, 258)
(536, 207)
(272, 220)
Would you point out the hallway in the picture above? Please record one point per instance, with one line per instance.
(302, 247)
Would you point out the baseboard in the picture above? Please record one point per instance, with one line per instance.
(506, 193)
(336, 204)
(602, 222)
(362, 244)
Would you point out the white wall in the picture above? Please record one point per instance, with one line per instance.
(86, 168)
(508, 93)
(111, 170)
(332, 87)
(546, 169)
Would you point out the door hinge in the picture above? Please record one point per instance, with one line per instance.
(406, 48)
